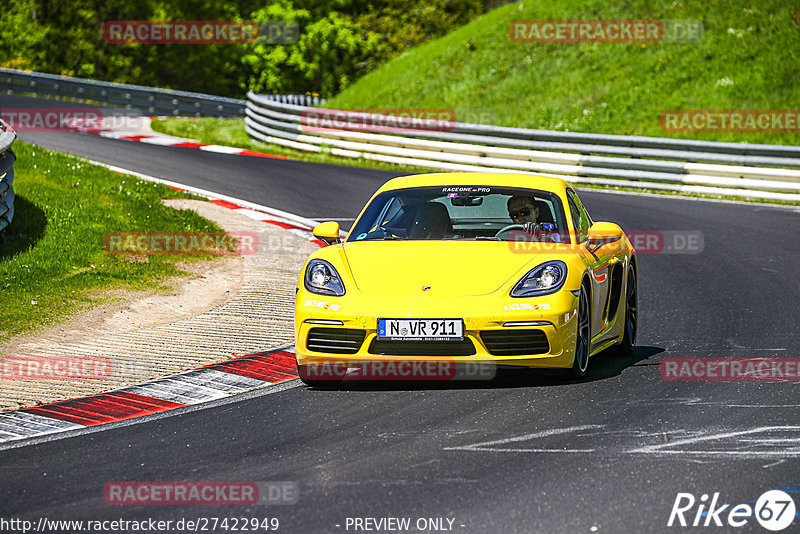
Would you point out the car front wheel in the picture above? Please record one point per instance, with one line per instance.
(582, 339)
(319, 376)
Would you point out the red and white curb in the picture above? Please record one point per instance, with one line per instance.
(151, 137)
(297, 229)
(209, 383)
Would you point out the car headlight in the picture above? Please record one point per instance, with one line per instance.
(322, 278)
(541, 280)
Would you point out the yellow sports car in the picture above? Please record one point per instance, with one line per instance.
(471, 269)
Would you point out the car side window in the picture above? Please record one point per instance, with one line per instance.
(579, 216)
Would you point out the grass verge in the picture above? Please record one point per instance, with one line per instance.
(746, 59)
(52, 260)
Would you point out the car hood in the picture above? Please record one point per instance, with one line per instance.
(458, 268)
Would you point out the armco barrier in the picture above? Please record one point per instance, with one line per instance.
(148, 100)
(732, 169)
(7, 137)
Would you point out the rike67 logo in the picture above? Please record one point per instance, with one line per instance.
(774, 510)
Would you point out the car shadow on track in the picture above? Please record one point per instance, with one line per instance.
(602, 366)
(608, 364)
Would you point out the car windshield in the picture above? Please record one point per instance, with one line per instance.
(462, 213)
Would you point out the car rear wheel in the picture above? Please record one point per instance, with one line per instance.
(582, 339)
(625, 348)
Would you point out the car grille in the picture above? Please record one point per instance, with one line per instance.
(335, 340)
(515, 342)
(422, 348)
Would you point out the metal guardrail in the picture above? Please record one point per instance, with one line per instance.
(475, 147)
(297, 100)
(7, 158)
(736, 169)
(148, 100)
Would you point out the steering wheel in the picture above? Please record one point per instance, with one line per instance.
(509, 228)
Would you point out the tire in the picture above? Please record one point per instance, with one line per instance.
(626, 346)
(582, 337)
(308, 378)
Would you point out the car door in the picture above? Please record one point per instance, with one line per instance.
(598, 263)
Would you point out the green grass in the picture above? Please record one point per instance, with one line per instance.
(749, 58)
(52, 261)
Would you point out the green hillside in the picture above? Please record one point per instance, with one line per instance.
(748, 58)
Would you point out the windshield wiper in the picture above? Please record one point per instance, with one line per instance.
(486, 238)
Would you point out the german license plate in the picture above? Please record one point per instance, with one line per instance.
(421, 329)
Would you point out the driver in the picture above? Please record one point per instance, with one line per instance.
(524, 211)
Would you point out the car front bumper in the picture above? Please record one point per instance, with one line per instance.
(492, 327)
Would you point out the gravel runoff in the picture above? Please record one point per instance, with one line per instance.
(250, 308)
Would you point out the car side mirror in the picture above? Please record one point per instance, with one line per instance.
(328, 232)
(601, 234)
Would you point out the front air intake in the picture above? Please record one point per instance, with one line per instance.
(335, 340)
(516, 342)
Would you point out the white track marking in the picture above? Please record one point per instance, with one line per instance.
(193, 387)
(790, 446)
(673, 447)
(487, 446)
(220, 149)
(161, 141)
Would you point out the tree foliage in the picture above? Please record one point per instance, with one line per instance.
(338, 42)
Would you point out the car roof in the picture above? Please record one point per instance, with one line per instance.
(528, 181)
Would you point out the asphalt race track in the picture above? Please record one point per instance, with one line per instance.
(529, 453)
(279, 183)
